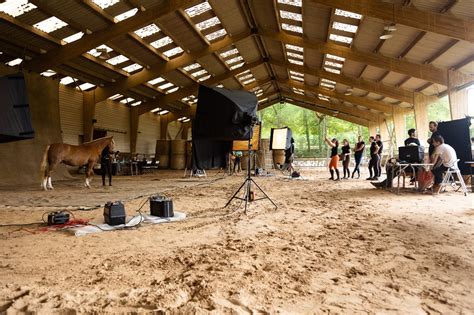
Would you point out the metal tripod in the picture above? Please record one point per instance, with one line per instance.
(247, 185)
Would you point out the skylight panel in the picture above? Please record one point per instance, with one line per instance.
(335, 57)
(329, 86)
(198, 9)
(172, 90)
(332, 70)
(117, 60)
(103, 4)
(328, 81)
(16, 8)
(333, 64)
(132, 67)
(85, 86)
(296, 62)
(298, 91)
(162, 42)
(186, 120)
(295, 3)
(50, 25)
(246, 76)
(323, 97)
(48, 73)
(94, 52)
(221, 86)
(163, 112)
(127, 14)
(67, 80)
(216, 34)
(14, 62)
(165, 86)
(291, 15)
(293, 47)
(199, 73)
(147, 30)
(348, 14)
(234, 60)
(173, 52)
(155, 110)
(249, 81)
(238, 65)
(263, 100)
(345, 27)
(341, 39)
(73, 37)
(298, 56)
(292, 28)
(127, 100)
(299, 74)
(229, 52)
(156, 81)
(136, 103)
(192, 67)
(114, 97)
(298, 78)
(208, 23)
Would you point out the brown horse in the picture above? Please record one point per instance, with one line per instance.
(73, 155)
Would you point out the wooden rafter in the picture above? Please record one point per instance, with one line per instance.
(421, 71)
(443, 24)
(61, 54)
(371, 86)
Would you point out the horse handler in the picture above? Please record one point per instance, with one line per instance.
(106, 165)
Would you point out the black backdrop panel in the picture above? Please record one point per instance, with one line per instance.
(210, 154)
(224, 114)
(15, 119)
(456, 134)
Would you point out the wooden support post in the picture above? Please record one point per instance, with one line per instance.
(399, 125)
(420, 103)
(372, 129)
(385, 134)
(88, 108)
(134, 123)
(458, 100)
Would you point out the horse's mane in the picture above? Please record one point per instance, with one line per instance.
(97, 140)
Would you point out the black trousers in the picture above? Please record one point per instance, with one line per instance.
(374, 166)
(438, 173)
(358, 159)
(106, 167)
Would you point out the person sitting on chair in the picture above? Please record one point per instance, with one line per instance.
(444, 157)
(412, 139)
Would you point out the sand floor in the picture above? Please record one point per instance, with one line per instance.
(330, 247)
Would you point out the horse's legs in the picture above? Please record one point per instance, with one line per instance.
(89, 173)
(47, 178)
(50, 186)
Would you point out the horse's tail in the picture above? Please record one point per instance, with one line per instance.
(44, 162)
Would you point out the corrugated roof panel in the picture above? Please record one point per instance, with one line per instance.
(180, 30)
(230, 15)
(178, 79)
(402, 37)
(393, 78)
(368, 36)
(315, 20)
(248, 49)
(352, 68)
(428, 46)
(373, 73)
(458, 53)
(24, 38)
(463, 9)
(134, 49)
(264, 14)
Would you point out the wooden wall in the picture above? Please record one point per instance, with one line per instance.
(70, 107)
(148, 133)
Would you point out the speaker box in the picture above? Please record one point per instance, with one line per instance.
(114, 213)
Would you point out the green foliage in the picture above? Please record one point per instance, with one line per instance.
(309, 128)
(439, 110)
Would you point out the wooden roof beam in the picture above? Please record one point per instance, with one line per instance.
(438, 23)
(371, 86)
(355, 100)
(161, 67)
(422, 71)
(60, 55)
(314, 104)
(186, 91)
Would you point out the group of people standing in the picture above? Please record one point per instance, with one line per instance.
(375, 168)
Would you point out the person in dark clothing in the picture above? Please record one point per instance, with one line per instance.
(334, 144)
(374, 158)
(412, 138)
(378, 140)
(346, 158)
(434, 132)
(106, 165)
(358, 153)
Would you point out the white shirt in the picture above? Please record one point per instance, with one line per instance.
(447, 154)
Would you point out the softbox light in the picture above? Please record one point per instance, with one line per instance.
(280, 138)
(224, 114)
(15, 120)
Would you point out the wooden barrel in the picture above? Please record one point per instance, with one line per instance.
(278, 157)
(264, 154)
(162, 147)
(178, 147)
(178, 161)
(164, 161)
(264, 145)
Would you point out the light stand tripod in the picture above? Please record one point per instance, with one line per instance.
(247, 184)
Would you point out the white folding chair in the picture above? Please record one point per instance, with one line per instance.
(449, 179)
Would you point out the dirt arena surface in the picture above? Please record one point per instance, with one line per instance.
(330, 247)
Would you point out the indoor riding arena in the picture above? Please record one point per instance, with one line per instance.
(236, 157)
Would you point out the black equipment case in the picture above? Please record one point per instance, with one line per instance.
(114, 213)
(161, 206)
